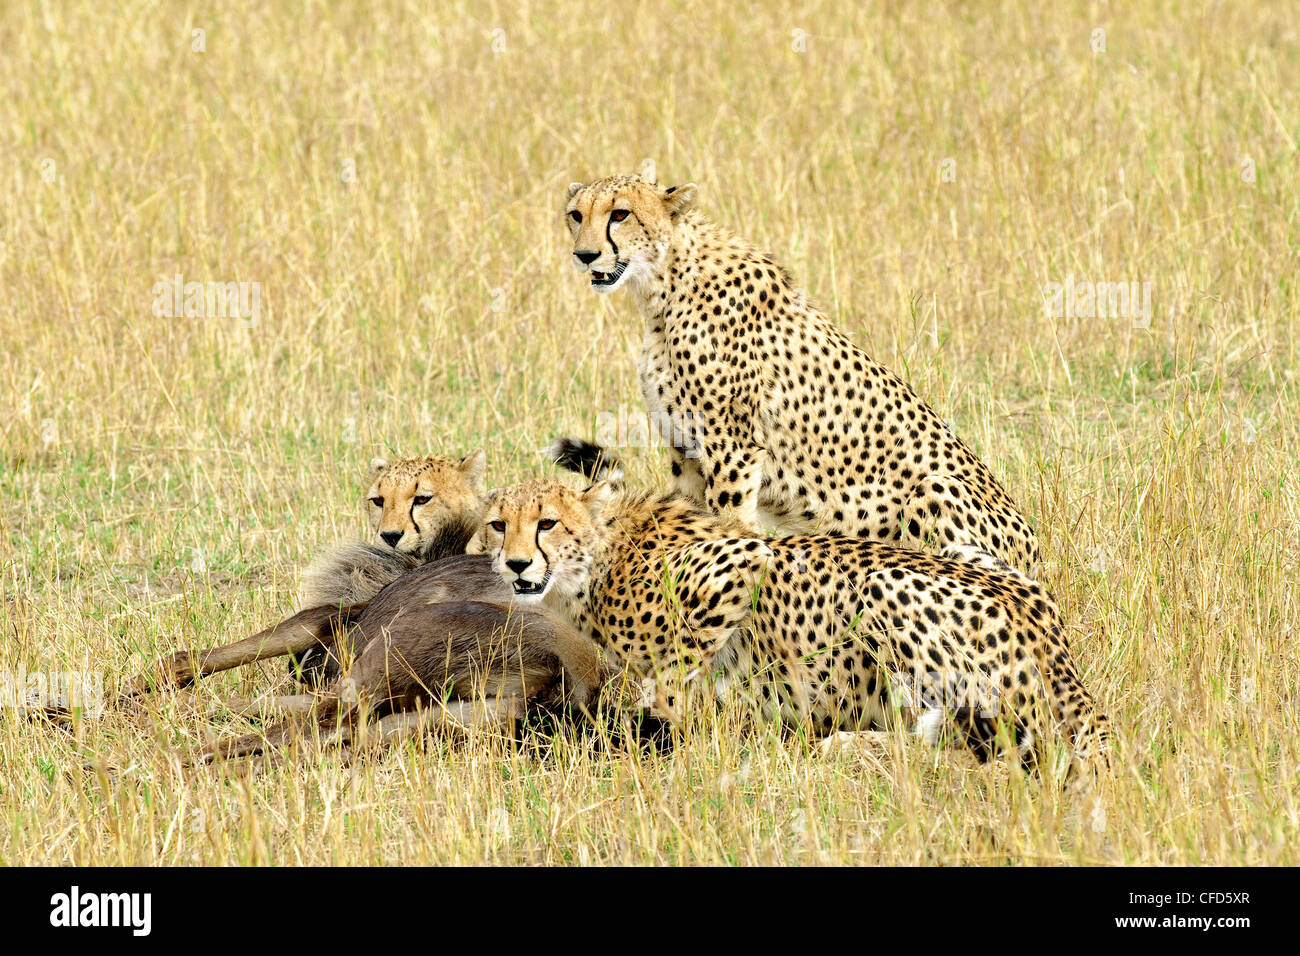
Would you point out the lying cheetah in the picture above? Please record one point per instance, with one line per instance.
(773, 413)
(421, 509)
(426, 511)
(826, 630)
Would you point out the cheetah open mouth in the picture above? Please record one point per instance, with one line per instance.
(609, 278)
(530, 587)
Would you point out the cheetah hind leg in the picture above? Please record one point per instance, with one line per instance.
(957, 699)
(721, 578)
(941, 516)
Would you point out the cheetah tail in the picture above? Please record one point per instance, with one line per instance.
(587, 459)
(1087, 728)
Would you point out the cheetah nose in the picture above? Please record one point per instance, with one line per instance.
(391, 537)
(586, 257)
(518, 565)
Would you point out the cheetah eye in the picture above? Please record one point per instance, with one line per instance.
(498, 526)
(377, 502)
(575, 215)
(423, 499)
(618, 215)
(546, 524)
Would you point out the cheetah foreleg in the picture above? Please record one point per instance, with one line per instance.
(711, 590)
(732, 478)
(688, 480)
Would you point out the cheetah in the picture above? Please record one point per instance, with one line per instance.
(424, 505)
(426, 634)
(830, 632)
(421, 509)
(770, 411)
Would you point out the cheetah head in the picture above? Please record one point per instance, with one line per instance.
(621, 226)
(543, 536)
(427, 506)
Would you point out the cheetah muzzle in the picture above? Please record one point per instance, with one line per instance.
(532, 588)
(607, 280)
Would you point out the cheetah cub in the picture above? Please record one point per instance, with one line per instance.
(421, 509)
(772, 413)
(826, 631)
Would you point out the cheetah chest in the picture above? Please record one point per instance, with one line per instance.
(661, 392)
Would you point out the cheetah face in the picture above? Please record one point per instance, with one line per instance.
(621, 227)
(543, 537)
(417, 504)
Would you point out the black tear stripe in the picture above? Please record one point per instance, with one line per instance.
(415, 524)
(537, 542)
(609, 224)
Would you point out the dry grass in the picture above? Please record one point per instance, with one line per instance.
(164, 477)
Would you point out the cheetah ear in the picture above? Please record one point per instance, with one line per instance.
(474, 467)
(678, 199)
(596, 497)
(377, 465)
(573, 190)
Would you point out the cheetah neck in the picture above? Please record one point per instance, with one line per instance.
(636, 529)
(693, 239)
(699, 252)
(455, 536)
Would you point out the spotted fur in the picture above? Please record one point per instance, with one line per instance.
(773, 413)
(827, 631)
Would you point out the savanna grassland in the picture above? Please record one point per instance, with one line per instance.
(391, 174)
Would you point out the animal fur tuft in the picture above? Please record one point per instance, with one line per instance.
(352, 573)
(355, 571)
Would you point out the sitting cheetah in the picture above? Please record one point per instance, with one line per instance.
(772, 412)
(829, 631)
